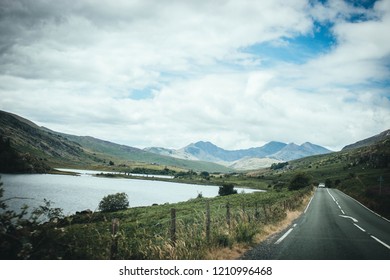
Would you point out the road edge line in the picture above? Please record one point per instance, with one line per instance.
(284, 236)
(307, 207)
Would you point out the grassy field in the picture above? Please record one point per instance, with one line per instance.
(199, 227)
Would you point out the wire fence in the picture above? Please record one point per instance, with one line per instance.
(183, 231)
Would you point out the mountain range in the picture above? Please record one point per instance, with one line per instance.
(27, 147)
(251, 158)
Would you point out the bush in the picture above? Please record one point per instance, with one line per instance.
(114, 202)
(227, 189)
(299, 181)
(25, 235)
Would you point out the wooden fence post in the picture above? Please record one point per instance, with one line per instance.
(208, 221)
(173, 226)
(257, 213)
(265, 213)
(114, 243)
(244, 216)
(228, 214)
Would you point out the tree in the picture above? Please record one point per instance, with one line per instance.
(299, 181)
(328, 183)
(114, 202)
(205, 175)
(227, 189)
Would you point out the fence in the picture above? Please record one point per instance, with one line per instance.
(186, 233)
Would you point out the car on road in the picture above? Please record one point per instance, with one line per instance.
(321, 185)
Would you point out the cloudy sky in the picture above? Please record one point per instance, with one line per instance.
(168, 73)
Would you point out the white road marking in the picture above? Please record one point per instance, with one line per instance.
(387, 220)
(307, 207)
(381, 242)
(349, 217)
(284, 236)
(331, 196)
(341, 209)
(355, 221)
(362, 229)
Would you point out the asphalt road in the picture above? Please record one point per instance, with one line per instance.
(333, 227)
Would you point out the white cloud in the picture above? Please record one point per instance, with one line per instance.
(75, 68)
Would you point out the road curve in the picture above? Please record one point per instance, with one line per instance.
(334, 226)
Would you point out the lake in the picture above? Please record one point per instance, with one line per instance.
(77, 193)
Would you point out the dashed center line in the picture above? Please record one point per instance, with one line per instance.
(359, 227)
(344, 216)
(331, 195)
(355, 221)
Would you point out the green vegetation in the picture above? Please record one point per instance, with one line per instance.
(279, 165)
(23, 236)
(299, 181)
(114, 202)
(12, 161)
(227, 189)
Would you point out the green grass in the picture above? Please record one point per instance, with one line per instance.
(145, 232)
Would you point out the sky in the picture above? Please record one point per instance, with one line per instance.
(169, 73)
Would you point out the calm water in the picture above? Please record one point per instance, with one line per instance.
(76, 193)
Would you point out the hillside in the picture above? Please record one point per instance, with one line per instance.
(369, 141)
(126, 153)
(26, 140)
(28, 146)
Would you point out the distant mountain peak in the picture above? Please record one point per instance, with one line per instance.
(271, 152)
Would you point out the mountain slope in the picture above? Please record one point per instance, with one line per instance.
(293, 151)
(369, 141)
(28, 148)
(253, 163)
(127, 153)
(28, 140)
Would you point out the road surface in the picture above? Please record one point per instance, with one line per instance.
(333, 226)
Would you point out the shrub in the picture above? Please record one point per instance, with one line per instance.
(114, 202)
(227, 189)
(25, 235)
(299, 181)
